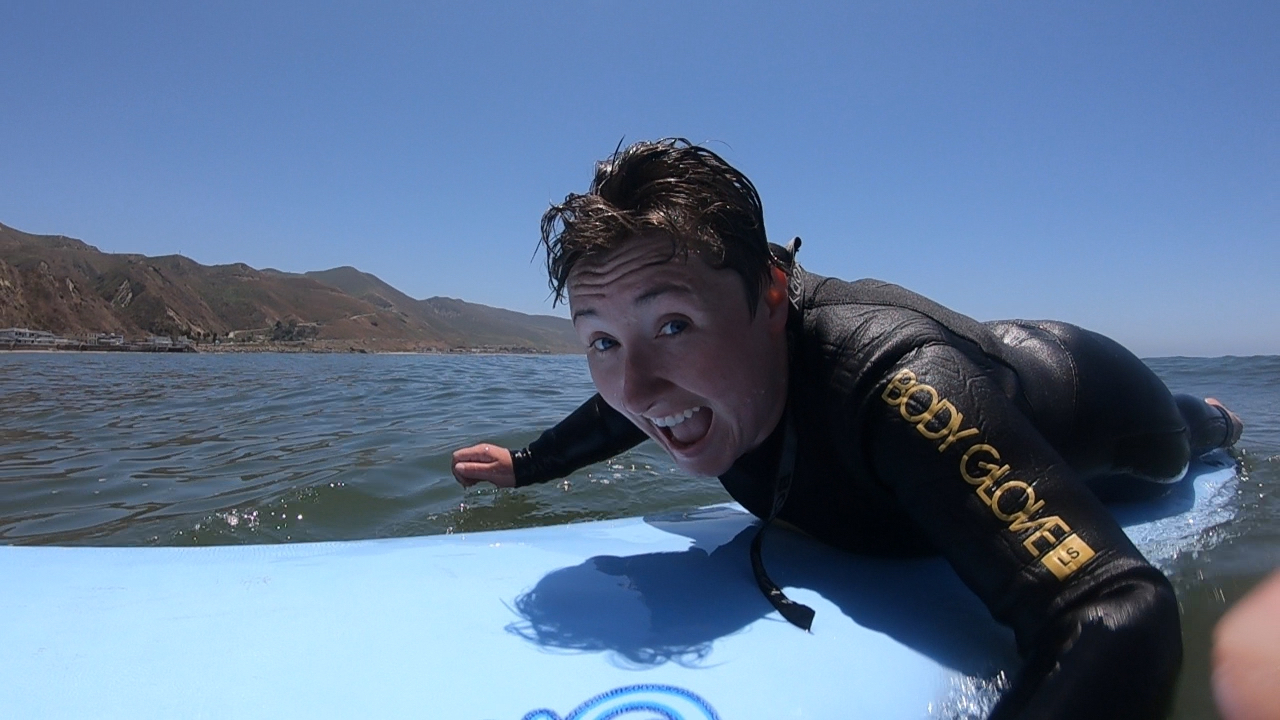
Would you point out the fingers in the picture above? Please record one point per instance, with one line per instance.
(464, 479)
(483, 452)
(468, 474)
(483, 463)
(474, 471)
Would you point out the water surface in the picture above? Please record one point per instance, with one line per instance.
(140, 449)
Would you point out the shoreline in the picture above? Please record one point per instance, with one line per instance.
(279, 349)
(100, 349)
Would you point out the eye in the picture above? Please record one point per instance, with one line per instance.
(602, 344)
(673, 327)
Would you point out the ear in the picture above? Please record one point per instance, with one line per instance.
(775, 299)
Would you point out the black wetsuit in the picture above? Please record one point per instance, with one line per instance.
(920, 430)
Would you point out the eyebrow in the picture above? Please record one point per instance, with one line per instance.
(661, 289)
(648, 296)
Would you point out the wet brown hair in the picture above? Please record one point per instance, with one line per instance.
(667, 187)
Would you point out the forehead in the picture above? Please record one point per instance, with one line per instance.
(640, 263)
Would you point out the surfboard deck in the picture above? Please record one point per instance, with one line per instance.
(654, 617)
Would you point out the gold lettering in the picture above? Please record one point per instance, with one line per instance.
(1046, 533)
(994, 472)
(1059, 549)
(932, 413)
(910, 393)
(949, 430)
(956, 436)
(1069, 556)
(1029, 504)
(981, 490)
(898, 387)
(1020, 522)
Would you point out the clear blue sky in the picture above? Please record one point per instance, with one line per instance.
(1113, 164)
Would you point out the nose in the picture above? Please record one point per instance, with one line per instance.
(641, 382)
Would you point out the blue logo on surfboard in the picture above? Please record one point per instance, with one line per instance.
(642, 701)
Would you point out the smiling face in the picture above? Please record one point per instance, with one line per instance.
(671, 345)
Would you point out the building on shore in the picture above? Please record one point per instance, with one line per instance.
(110, 339)
(15, 338)
(162, 342)
(29, 338)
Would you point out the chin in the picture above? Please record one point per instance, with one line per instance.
(702, 469)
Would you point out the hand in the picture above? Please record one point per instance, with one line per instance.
(1245, 655)
(484, 462)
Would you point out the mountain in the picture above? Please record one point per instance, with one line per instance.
(69, 287)
(480, 325)
(367, 287)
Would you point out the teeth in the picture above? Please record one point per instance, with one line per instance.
(676, 419)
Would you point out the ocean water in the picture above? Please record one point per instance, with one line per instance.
(136, 450)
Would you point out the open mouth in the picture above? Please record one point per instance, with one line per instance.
(684, 429)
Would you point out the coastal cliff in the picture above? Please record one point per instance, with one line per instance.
(68, 287)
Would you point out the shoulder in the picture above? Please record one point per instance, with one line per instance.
(862, 315)
(849, 337)
(873, 314)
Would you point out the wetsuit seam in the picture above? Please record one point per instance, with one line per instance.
(1075, 377)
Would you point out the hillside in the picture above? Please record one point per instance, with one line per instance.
(479, 325)
(71, 288)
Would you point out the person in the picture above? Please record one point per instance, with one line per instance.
(1246, 655)
(872, 419)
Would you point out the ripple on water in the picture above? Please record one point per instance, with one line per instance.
(122, 449)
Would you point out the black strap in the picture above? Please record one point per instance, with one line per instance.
(795, 613)
(799, 615)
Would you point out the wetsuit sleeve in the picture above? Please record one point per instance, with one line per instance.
(1096, 625)
(592, 433)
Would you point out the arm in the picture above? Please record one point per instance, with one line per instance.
(592, 433)
(1096, 625)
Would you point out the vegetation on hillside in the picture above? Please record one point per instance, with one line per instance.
(68, 287)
